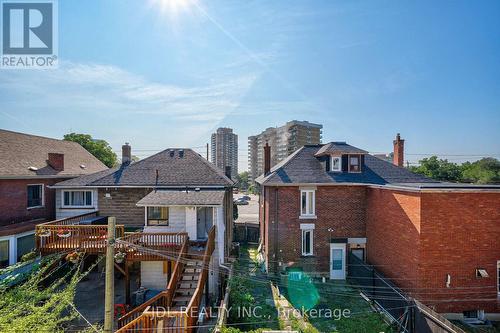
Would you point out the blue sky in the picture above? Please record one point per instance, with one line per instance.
(166, 73)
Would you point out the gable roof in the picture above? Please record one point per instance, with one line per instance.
(304, 167)
(171, 167)
(19, 152)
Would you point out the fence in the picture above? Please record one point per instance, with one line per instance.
(246, 232)
(410, 315)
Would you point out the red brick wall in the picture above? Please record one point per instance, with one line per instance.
(341, 208)
(460, 232)
(14, 200)
(392, 232)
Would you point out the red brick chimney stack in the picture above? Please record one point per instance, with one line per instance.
(399, 151)
(267, 159)
(56, 161)
(126, 153)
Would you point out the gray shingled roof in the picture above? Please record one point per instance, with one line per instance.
(171, 167)
(19, 151)
(303, 167)
(182, 198)
(339, 148)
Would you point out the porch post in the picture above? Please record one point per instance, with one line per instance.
(127, 284)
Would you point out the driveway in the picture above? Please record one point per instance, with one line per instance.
(249, 213)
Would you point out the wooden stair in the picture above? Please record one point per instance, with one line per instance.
(187, 283)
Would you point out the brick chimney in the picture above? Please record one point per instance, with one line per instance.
(126, 153)
(267, 159)
(399, 151)
(56, 161)
(227, 171)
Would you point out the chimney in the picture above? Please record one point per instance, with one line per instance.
(126, 153)
(227, 171)
(399, 149)
(56, 161)
(267, 159)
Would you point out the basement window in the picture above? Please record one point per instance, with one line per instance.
(157, 216)
(481, 273)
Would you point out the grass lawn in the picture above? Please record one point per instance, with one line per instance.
(339, 307)
(249, 288)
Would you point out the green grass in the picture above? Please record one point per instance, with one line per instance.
(250, 288)
(343, 309)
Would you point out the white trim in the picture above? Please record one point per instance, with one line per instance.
(63, 205)
(356, 240)
(43, 196)
(307, 226)
(340, 164)
(12, 239)
(311, 235)
(498, 277)
(310, 206)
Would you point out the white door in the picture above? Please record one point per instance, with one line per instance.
(337, 261)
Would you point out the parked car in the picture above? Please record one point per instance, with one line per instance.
(246, 197)
(240, 201)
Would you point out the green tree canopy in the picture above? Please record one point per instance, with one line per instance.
(242, 181)
(99, 148)
(484, 171)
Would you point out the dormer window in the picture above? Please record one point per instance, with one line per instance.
(336, 163)
(354, 163)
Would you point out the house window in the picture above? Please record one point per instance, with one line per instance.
(336, 163)
(4, 253)
(354, 163)
(307, 203)
(157, 215)
(77, 199)
(35, 196)
(307, 242)
(25, 244)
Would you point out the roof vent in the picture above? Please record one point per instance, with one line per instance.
(172, 152)
(197, 189)
(181, 153)
(83, 166)
(32, 168)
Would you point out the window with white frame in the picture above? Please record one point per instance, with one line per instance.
(307, 242)
(307, 203)
(157, 216)
(336, 163)
(77, 198)
(4, 253)
(35, 195)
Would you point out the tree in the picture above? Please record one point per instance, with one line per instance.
(242, 181)
(484, 171)
(99, 148)
(438, 169)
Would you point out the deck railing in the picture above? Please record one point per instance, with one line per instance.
(67, 234)
(142, 245)
(154, 315)
(162, 300)
(193, 307)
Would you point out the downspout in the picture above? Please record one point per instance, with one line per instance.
(276, 227)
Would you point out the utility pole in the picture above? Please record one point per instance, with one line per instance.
(207, 153)
(109, 298)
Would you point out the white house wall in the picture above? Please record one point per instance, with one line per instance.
(152, 276)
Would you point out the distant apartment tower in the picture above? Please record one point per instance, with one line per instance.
(224, 148)
(283, 140)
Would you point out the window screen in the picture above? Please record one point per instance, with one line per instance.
(24, 245)
(35, 195)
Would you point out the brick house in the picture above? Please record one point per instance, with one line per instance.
(438, 241)
(173, 191)
(29, 165)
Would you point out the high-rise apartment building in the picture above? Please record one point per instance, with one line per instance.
(283, 140)
(224, 149)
